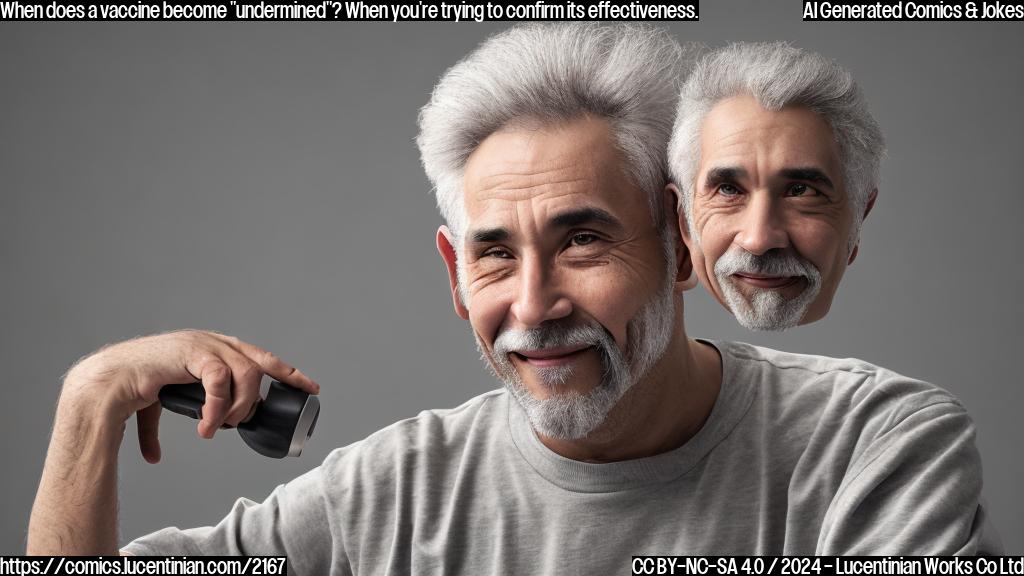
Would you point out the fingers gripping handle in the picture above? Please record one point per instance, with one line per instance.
(278, 427)
(188, 399)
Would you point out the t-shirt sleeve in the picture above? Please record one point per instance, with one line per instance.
(915, 490)
(292, 521)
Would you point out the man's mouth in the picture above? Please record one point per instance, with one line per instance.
(548, 357)
(766, 282)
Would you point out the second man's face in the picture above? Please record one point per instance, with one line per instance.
(771, 217)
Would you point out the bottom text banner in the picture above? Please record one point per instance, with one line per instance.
(155, 565)
(827, 565)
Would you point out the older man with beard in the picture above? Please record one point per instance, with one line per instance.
(616, 435)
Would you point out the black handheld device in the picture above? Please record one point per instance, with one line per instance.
(279, 427)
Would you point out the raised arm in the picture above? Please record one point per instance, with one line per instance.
(75, 511)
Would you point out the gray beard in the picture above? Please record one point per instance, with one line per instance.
(767, 309)
(568, 414)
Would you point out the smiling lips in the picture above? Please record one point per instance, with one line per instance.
(766, 282)
(548, 357)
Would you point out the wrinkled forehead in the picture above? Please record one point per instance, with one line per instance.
(538, 172)
(738, 132)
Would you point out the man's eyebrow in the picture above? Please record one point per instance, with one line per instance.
(487, 235)
(569, 219)
(716, 176)
(582, 216)
(808, 174)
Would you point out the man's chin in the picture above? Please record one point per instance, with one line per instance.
(774, 318)
(565, 415)
(548, 389)
(759, 326)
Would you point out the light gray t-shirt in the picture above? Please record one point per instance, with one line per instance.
(800, 455)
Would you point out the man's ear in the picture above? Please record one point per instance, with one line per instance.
(677, 213)
(871, 203)
(686, 278)
(446, 247)
(867, 210)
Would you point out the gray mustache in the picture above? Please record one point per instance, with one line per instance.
(553, 336)
(774, 262)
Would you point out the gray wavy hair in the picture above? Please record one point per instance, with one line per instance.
(778, 75)
(551, 73)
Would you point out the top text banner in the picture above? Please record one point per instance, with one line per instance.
(261, 10)
(911, 10)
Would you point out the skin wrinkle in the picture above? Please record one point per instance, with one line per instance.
(538, 171)
(500, 190)
(616, 251)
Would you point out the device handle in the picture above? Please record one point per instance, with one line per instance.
(279, 426)
(184, 399)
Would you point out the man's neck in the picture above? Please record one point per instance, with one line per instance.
(659, 413)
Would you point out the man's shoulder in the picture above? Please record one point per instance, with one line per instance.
(848, 382)
(446, 424)
(432, 437)
(860, 444)
(842, 405)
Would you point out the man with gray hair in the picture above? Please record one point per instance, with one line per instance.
(776, 157)
(615, 435)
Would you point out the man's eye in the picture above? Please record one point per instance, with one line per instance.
(802, 190)
(496, 253)
(728, 190)
(583, 238)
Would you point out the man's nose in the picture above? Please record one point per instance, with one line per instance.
(538, 299)
(761, 229)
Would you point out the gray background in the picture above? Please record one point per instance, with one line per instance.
(261, 180)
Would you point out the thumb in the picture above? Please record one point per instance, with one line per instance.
(148, 420)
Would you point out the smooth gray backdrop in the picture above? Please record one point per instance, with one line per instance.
(261, 179)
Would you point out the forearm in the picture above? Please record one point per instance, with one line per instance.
(75, 511)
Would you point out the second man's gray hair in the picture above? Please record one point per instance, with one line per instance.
(779, 75)
(626, 74)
